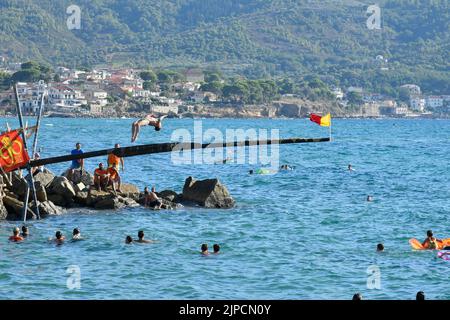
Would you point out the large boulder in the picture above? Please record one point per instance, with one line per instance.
(95, 196)
(61, 186)
(168, 195)
(58, 199)
(208, 193)
(81, 198)
(15, 209)
(80, 176)
(44, 178)
(19, 185)
(129, 191)
(48, 208)
(41, 194)
(112, 203)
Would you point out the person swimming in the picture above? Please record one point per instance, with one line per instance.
(431, 242)
(286, 167)
(76, 235)
(141, 239)
(59, 238)
(380, 247)
(16, 237)
(369, 198)
(350, 168)
(251, 172)
(25, 232)
(420, 296)
(216, 248)
(148, 120)
(204, 249)
(357, 296)
(128, 240)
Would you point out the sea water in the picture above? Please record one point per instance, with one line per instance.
(308, 233)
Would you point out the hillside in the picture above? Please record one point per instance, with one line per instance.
(255, 38)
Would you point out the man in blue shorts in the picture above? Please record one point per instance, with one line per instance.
(77, 164)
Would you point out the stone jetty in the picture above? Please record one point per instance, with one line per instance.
(55, 194)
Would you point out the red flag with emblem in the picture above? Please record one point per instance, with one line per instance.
(12, 152)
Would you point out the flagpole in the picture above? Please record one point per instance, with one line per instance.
(31, 179)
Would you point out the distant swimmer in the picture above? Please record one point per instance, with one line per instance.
(420, 296)
(357, 296)
(251, 172)
(76, 235)
(59, 238)
(350, 168)
(204, 249)
(25, 232)
(141, 239)
(128, 240)
(149, 120)
(16, 237)
(380, 247)
(431, 242)
(216, 248)
(369, 198)
(286, 167)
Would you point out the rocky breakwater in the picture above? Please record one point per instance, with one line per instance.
(55, 194)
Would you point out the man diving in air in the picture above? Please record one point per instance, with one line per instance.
(148, 120)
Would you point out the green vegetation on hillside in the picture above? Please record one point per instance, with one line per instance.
(259, 39)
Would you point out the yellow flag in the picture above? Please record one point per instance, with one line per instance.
(325, 121)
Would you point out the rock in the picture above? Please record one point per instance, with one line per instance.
(128, 202)
(95, 196)
(3, 211)
(41, 194)
(19, 185)
(81, 198)
(48, 208)
(81, 176)
(167, 195)
(57, 199)
(15, 209)
(79, 187)
(61, 186)
(45, 178)
(208, 193)
(129, 191)
(112, 203)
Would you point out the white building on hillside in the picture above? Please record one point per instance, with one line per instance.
(417, 103)
(412, 88)
(433, 102)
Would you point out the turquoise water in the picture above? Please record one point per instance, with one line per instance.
(303, 234)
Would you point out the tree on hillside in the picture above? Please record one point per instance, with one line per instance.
(148, 75)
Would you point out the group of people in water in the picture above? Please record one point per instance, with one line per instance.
(59, 238)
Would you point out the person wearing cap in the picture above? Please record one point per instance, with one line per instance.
(16, 237)
(101, 177)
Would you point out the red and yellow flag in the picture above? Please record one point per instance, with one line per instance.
(12, 152)
(324, 121)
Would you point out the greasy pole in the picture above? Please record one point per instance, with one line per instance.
(30, 182)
